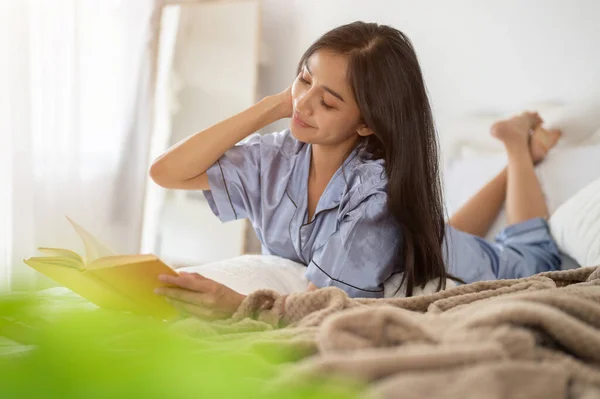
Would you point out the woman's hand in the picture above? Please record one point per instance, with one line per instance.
(285, 103)
(200, 296)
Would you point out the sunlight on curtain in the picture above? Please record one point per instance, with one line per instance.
(76, 133)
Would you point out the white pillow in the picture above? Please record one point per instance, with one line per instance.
(576, 225)
(249, 273)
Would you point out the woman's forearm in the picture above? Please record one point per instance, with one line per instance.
(191, 157)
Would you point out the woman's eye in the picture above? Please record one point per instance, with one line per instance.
(324, 104)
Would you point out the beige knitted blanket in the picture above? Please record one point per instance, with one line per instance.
(537, 337)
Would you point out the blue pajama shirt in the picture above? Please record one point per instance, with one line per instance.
(351, 241)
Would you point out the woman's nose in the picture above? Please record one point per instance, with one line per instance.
(302, 104)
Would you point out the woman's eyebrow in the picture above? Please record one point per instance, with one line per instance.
(327, 89)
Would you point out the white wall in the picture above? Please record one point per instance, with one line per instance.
(214, 76)
(477, 56)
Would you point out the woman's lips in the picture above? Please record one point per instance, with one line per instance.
(299, 121)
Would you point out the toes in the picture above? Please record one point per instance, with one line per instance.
(534, 118)
(547, 138)
(557, 133)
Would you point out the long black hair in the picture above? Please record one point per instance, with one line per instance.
(388, 85)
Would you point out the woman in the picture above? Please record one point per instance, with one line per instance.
(352, 189)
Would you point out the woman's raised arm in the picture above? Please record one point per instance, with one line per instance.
(184, 165)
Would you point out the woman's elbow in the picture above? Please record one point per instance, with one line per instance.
(158, 174)
(167, 179)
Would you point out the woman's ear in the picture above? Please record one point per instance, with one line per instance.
(364, 131)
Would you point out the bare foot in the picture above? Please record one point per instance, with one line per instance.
(542, 141)
(516, 130)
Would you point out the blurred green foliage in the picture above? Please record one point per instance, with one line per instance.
(93, 353)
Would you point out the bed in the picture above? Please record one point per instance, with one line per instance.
(537, 337)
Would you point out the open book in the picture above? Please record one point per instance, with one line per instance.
(121, 282)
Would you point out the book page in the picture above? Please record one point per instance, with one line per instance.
(119, 260)
(94, 249)
(88, 287)
(63, 253)
(63, 261)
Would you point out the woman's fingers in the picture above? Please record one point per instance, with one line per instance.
(189, 281)
(196, 290)
(194, 275)
(184, 295)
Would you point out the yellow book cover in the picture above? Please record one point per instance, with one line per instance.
(119, 282)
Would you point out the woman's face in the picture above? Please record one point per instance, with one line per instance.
(325, 110)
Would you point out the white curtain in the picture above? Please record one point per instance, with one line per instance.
(75, 112)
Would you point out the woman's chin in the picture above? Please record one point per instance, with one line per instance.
(303, 134)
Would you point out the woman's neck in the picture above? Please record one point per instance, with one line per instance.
(326, 160)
